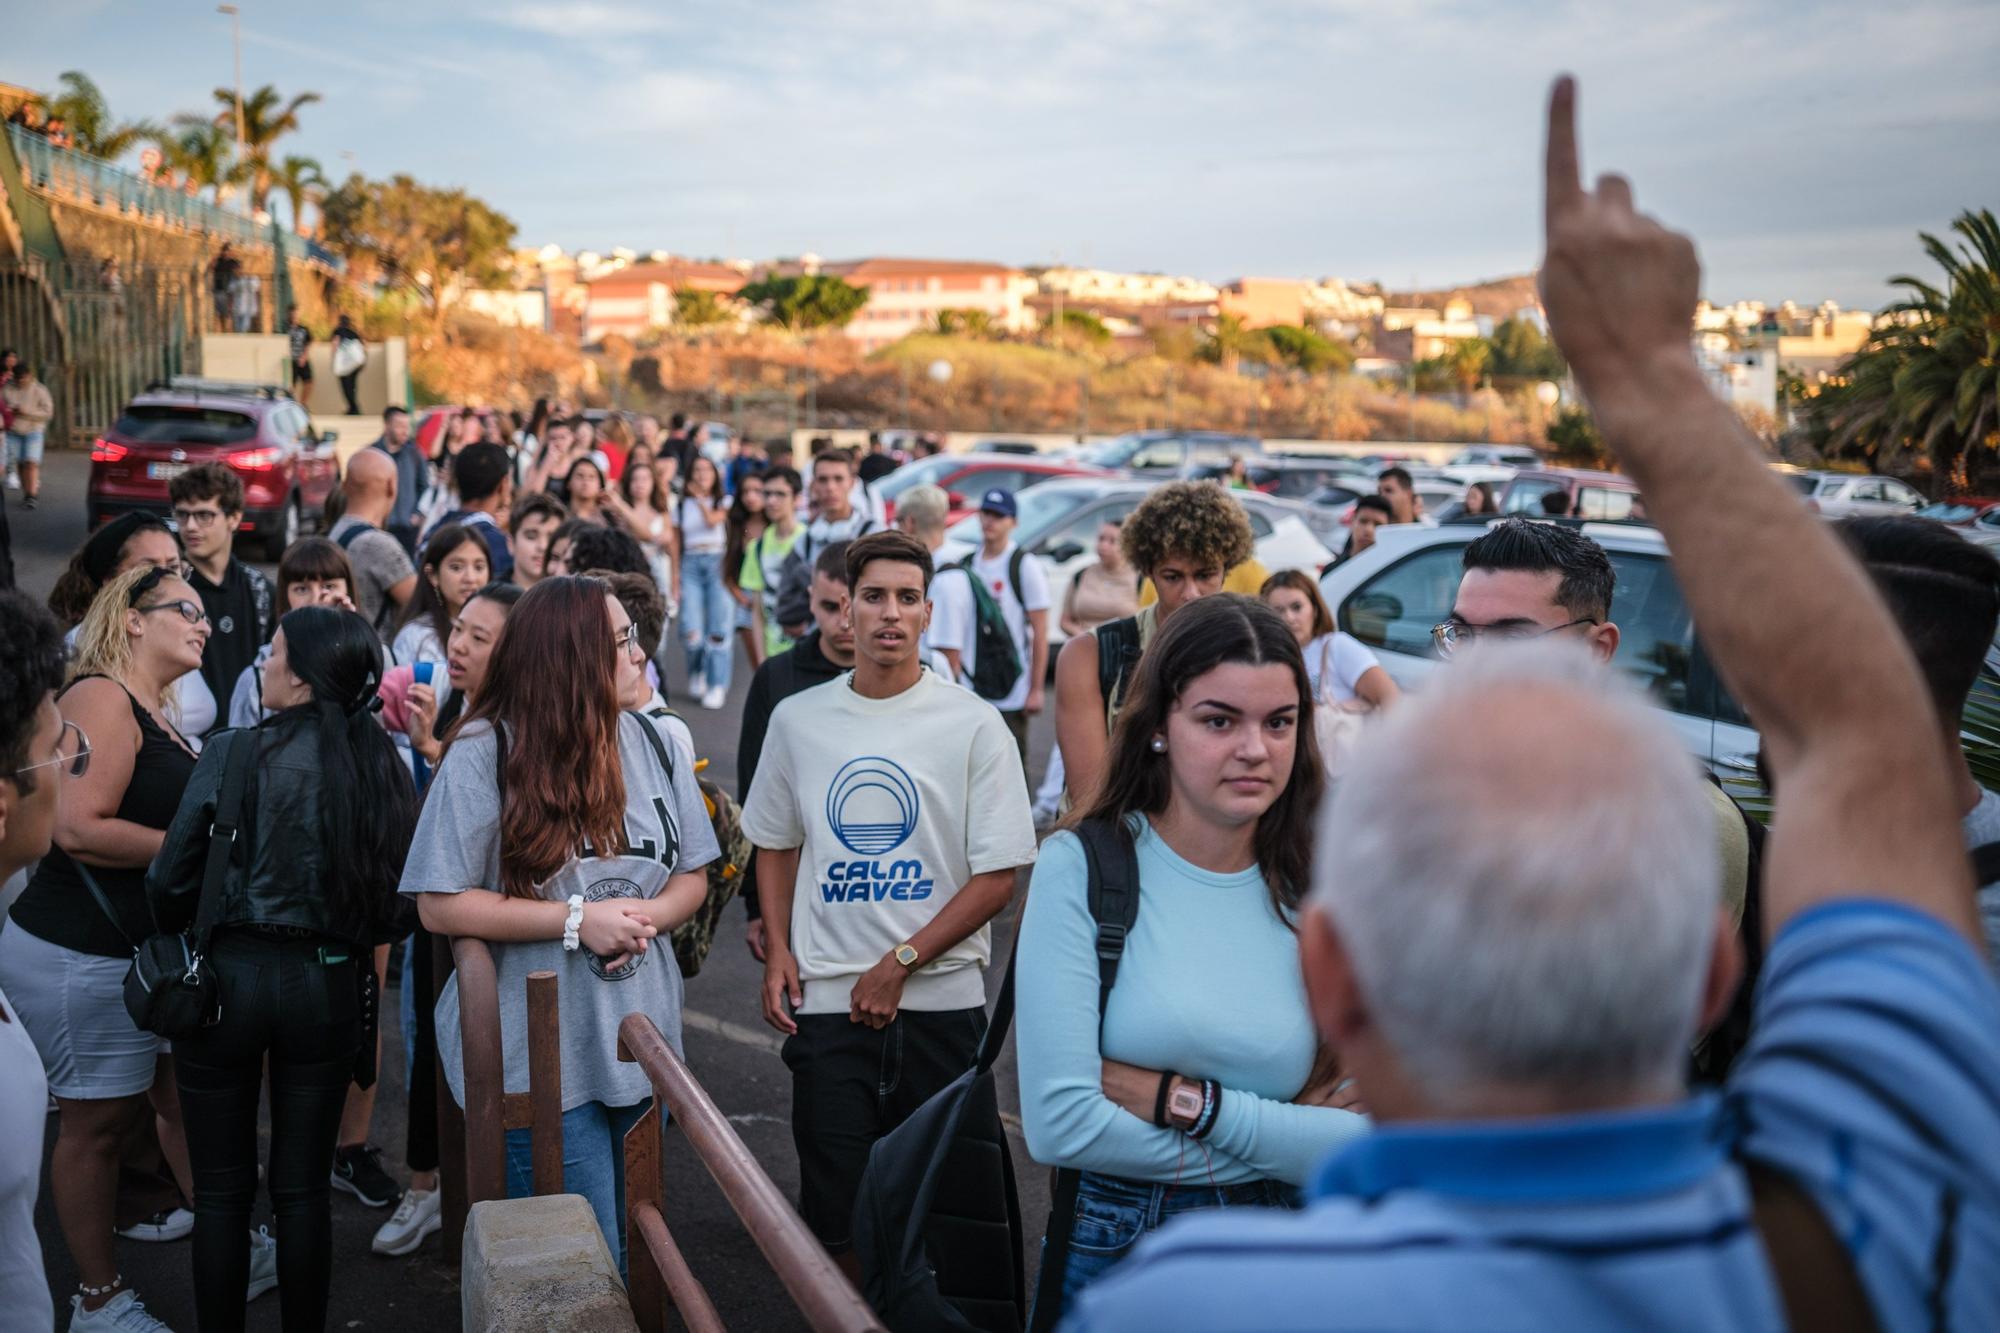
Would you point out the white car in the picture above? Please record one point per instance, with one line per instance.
(1849, 495)
(1059, 520)
(1513, 457)
(1393, 594)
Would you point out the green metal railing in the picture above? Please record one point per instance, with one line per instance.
(92, 180)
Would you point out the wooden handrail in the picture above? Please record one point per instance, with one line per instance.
(823, 1295)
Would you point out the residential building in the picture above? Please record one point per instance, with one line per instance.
(1741, 377)
(1263, 302)
(631, 298)
(1085, 287)
(907, 295)
(1417, 333)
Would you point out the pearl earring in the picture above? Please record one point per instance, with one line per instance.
(1159, 745)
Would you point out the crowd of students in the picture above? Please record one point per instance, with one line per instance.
(1402, 999)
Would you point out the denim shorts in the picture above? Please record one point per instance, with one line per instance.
(1114, 1214)
(25, 446)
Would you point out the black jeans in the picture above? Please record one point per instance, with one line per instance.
(290, 1002)
(421, 1145)
(347, 388)
(851, 1084)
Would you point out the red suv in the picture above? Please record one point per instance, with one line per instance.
(257, 430)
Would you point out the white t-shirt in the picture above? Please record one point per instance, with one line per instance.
(891, 820)
(418, 642)
(698, 535)
(1335, 664)
(24, 1112)
(959, 631)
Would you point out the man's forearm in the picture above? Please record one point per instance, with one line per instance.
(777, 870)
(971, 907)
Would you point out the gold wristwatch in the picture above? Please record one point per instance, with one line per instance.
(906, 954)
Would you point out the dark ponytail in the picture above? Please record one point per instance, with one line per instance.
(367, 801)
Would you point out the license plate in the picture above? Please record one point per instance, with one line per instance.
(165, 471)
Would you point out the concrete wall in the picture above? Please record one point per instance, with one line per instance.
(539, 1266)
(263, 358)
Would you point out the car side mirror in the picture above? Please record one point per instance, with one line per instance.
(1065, 552)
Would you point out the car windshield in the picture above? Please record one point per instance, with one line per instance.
(1804, 485)
(925, 471)
(168, 423)
(1947, 512)
(1114, 452)
(1832, 485)
(1040, 506)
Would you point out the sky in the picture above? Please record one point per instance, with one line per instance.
(1803, 143)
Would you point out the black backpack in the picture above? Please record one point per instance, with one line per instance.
(795, 576)
(1112, 886)
(1118, 653)
(996, 662)
(937, 1220)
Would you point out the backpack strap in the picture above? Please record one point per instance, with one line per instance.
(1112, 888)
(653, 735)
(1985, 864)
(236, 765)
(1014, 577)
(1117, 653)
(346, 540)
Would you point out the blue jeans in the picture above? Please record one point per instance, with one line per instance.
(593, 1164)
(24, 446)
(707, 617)
(1113, 1215)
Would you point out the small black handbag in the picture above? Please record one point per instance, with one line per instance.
(170, 988)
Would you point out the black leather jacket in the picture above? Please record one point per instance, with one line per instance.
(277, 875)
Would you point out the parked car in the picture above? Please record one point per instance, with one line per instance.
(256, 429)
(1853, 495)
(1006, 447)
(1059, 522)
(1985, 530)
(1496, 455)
(1168, 453)
(1391, 595)
(1593, 496)
(1962, 512)
(965, 477)
(1286, 478)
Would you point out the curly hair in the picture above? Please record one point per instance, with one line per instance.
(1195, 520)
(31, 666)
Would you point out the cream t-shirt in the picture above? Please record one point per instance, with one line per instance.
(894, 804)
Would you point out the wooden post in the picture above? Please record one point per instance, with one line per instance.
(545, 1082)
(642, 1187)
(450, 1123)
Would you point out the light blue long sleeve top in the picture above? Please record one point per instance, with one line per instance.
(1209, 986)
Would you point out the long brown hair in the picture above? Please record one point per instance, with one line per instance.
(551, 698)
(1200, 637)
(1302, 583)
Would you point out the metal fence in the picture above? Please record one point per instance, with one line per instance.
(97, 335)
(94, 181)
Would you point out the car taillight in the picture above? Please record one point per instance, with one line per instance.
(104, 451)
(255, 460)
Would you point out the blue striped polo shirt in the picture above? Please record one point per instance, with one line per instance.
(1872, 1080)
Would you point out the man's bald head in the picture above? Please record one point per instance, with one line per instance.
(371, 474)
(1520, 909)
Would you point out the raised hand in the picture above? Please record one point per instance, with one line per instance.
(1619, 288)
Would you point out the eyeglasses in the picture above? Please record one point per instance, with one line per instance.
(74, 755)
(197, 518)
(625, 640)
(1453, 635)
(191, 612)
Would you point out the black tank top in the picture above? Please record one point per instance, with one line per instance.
(58, 908)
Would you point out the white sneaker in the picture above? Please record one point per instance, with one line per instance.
(263, 1264)
(13, 480)
(716, 699)
(123, 1313)
(418, 1215)
(170, 1225)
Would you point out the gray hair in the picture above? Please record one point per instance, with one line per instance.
(925, 508)
(1520, 910)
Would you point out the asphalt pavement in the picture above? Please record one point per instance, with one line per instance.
(728, 1045)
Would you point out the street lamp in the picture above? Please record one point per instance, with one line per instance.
(236, 41)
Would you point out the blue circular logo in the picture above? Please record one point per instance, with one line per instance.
(871, 806)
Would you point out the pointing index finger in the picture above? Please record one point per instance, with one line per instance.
(1565, 184)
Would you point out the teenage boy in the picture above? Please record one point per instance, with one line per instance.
(834, 519)
(208, 506)
(825, 652)
(483, 476)
(412, 474)
(1017, 582)
(532, 523)
(764, 562)
(881, 856)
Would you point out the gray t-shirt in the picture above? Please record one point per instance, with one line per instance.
(380, 563)
(457, 847)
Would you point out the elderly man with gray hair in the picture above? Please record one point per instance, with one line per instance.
(1510, 943)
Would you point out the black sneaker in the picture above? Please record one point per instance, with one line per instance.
(358, 1170)
(30, 501)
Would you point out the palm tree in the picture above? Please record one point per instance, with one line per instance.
(265, 122)
(1925, 381)
(82, 107)
(203, 152)
(300, 180)
(1467, 359)
(1231, 342)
